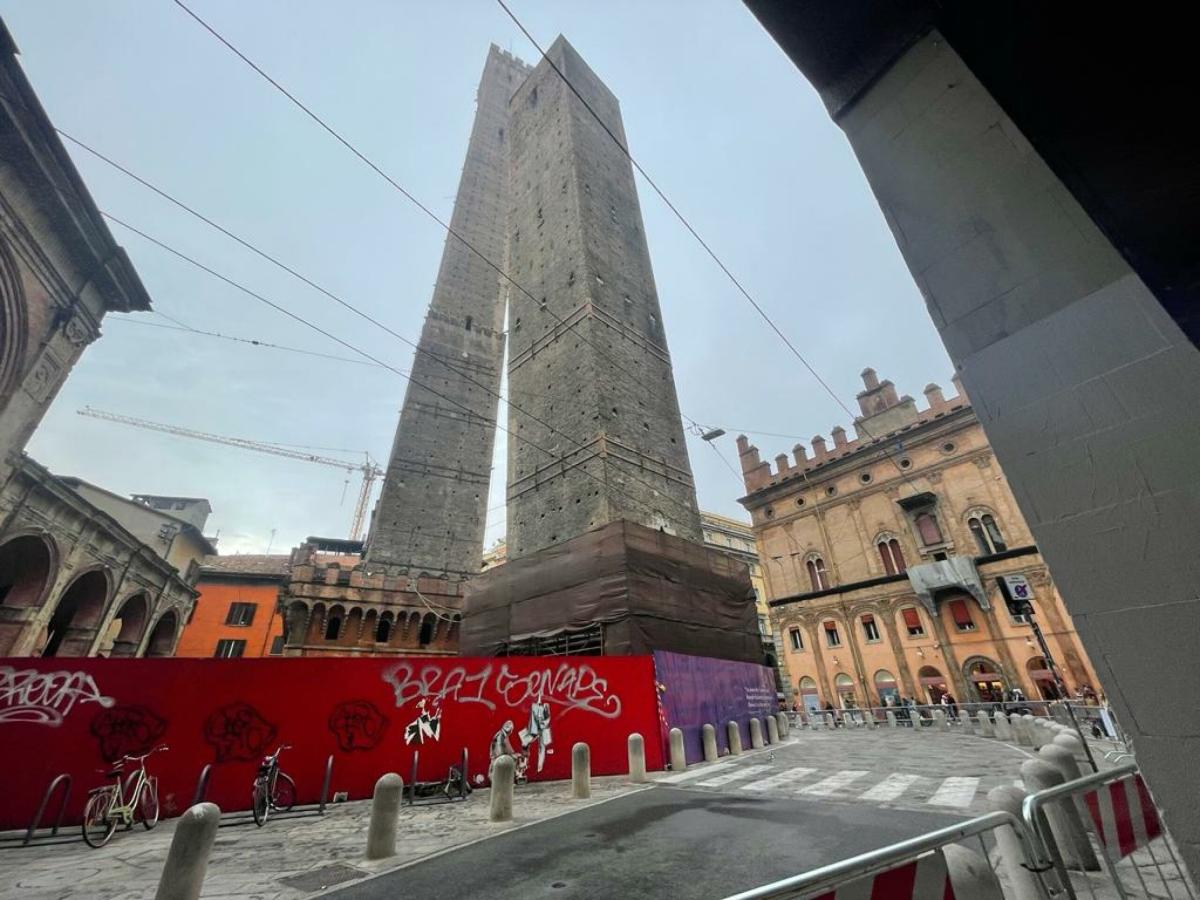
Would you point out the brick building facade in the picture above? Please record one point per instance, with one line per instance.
(882, 555)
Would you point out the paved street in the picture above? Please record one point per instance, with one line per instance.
(715, 828)
(666, 842)
(889, 768)
(720, 828)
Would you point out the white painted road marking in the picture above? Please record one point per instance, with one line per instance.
(689, 774)
(955, 792)
(890, 788)
(735, 775)
(833, 783)
(773, 781)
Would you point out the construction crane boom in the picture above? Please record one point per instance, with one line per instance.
(370, 471)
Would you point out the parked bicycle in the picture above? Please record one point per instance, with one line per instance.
(273, 788)
(122, 801)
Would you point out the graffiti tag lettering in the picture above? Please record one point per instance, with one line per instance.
(45, 698)
(569, 686)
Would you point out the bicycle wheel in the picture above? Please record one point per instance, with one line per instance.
(285, 792)
(261, 801)
(148, 804)
(98, 826)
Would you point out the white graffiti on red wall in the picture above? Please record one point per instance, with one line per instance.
(568, 686)
(45, 698)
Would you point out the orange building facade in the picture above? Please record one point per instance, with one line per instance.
(236, 614)
(884, 557)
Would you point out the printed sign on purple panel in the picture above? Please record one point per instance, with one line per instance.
(694, 690)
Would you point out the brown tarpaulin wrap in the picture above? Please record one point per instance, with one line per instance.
(650, 590)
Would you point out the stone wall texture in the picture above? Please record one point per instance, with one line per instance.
(431, 513)
(597, 434)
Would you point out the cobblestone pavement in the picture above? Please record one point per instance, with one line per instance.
(289, 858)
(301, 856)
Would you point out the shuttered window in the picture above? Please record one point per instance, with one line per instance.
(912, 621)
(961, 615)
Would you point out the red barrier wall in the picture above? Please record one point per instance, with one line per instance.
(60, 715)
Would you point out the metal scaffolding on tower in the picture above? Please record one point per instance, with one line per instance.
(370, 471)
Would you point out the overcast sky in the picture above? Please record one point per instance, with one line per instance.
(713, 110)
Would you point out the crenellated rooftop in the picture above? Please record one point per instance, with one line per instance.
(885, 414)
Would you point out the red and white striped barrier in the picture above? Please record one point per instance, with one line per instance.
(924, 878)
(1124, 815)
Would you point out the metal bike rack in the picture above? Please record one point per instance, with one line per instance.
(63, 779)
(326, 785)
(202, 785)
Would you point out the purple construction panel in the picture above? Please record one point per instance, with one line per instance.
(694, 690)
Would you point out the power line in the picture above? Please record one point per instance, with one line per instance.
(241, 340)
(449, 229)
(688, 225)
(297, 318)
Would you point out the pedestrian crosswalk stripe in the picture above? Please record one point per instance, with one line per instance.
(695, 773)
(735, 775)
(891, 787)
(955, 792)
(833, 783)
(778, 780)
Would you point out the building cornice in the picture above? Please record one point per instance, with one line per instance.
(1016, 552)
(891, 443)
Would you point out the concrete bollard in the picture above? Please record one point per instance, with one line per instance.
(1039, 733)
(965, 720)
(187, 860)
(581, 771)
(756, 737)
(503, 770)
(637, 758)
(891, 719)
(678, 753)
(783, 724)
(939, 720)
(1009, 855)
(1062, 759)
(1020, 728)
(985, 724)
(385, 811)
(1024, 730)
(772, 730)
(830, 721)
(869, 719)
(970, 875)
(708, 738)
(1003, 728)
(735, 738)
(1071, 742)
(1065, 824)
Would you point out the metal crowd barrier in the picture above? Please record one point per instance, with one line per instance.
(1124, 825)
(915, 868)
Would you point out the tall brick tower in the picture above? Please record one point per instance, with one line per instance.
(603, 379)
(604, 538)
(430, 515)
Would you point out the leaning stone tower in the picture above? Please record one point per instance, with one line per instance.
(587, 348)
(431, 513)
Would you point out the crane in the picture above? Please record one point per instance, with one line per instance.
(369, 470)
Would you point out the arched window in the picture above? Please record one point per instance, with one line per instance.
(383, 631)
(870, 629)
(817, 574)
(986, 533)
(891, 555)
(832, 638)
(425, 635)
(468, 323)
(886, 688)
(332, 627)
(928, 529)
(912, 622)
